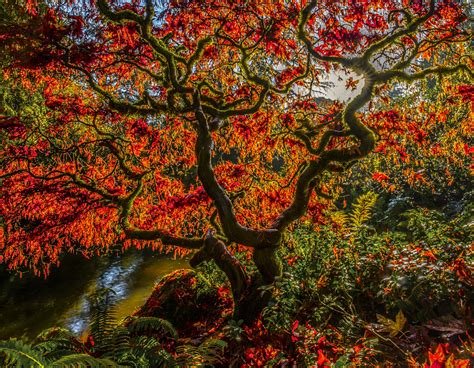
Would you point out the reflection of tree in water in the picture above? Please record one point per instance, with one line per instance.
(30, 305)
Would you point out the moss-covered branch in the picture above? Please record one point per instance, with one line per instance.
(233, 230)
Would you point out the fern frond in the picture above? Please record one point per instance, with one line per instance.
(102, 319)
(117, 344)
(58, 341)
(131, 360)
(16, 353)
(82, 360)
(210, 352)
(55, 333)
(150, 324)
(145, 342)
(55, 349)
(160, 359)
(148, 351)
(362, 209)
(339, 217)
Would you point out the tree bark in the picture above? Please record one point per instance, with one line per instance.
(214, 249)
(249, 298)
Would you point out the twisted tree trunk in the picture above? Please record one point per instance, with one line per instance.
(249, 300)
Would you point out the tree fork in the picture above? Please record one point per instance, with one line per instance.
(214, 249)
(268, 264)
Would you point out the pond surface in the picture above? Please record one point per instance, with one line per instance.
(30, 305)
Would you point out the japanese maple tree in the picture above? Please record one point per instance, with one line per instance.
(195, 126)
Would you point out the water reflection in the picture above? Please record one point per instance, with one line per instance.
(30, 305)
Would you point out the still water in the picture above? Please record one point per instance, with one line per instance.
(30, 305)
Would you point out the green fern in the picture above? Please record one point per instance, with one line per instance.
(118, 343)
(83, 360)
(361, 210)
(150, 324)
(144, 343)
(102, 320)
(121, 344)
(148, 349)
(16, 353)
(55, 332)
(210, 352)
(56, 349)
(57, 342)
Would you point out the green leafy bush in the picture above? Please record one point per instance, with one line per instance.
(351, 281)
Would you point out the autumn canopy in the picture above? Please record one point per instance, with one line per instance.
(199, 126)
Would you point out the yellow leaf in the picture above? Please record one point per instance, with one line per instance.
(393, 327)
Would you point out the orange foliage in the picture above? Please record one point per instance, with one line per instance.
(114, 146)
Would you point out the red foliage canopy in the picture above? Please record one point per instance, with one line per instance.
(153, 124)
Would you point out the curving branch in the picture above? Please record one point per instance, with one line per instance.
(405, 61)
(215, 249)
(233, 230)
(304, 186)
(127, 170)
(308, 179)
(323, 142)
(410, 77)
(304, 37)
(410, 28)
(120, 106)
